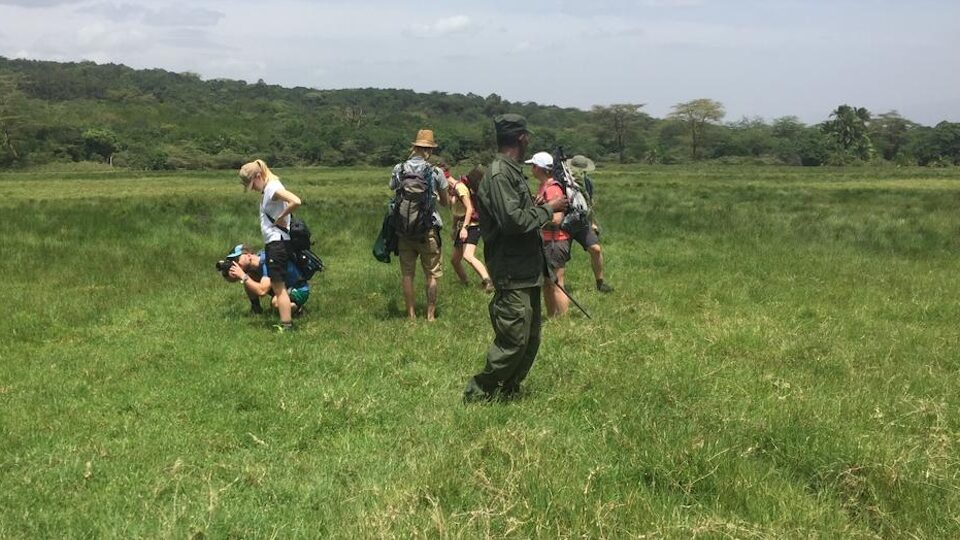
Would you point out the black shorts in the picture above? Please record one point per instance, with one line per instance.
(586, 238)
(473, 236)
(277, 258)
(557, 252)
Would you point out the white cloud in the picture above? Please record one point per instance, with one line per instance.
(115, 12)
(450, 25)
(673, 3)
(173, 15)
(38, 3)
(440, 27)
(180, 15)
(101, 37)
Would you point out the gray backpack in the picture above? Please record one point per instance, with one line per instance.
(414, 203)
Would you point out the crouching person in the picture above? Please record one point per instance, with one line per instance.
(253, 272)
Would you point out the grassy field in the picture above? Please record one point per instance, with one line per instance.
(780, 359)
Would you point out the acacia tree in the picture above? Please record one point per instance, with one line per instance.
(696, 115)
(890, 132)
(619, 118)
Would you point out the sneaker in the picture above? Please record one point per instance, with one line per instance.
(603, 287)
(283, 328)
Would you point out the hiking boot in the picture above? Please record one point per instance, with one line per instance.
(603, 287)
(487, 285)
(511, 393)
(473, 393)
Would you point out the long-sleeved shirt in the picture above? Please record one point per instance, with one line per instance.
(510, 225)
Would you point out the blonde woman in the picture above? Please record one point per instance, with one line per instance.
(276, 206)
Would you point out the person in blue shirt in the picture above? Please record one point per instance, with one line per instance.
(253, 272)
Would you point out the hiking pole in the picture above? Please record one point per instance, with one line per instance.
(556, 283)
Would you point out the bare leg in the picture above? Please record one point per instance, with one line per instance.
(431, 297)
(409, 297)
(560, 302)
(596, 260)
(549, 297)
(469, 254)
(457, 261)
(283, 301)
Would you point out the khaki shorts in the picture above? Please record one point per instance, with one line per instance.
(428, 249)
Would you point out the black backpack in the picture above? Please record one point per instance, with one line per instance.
(298, 231)
(415, 202)
(299, 235)
(306, 260)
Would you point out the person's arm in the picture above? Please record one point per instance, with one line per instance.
(557, 219)
(553, 192)
(503, 202)
(259, 288)
(468, 204)
(293, 202)
(250, 285)
(440, 185)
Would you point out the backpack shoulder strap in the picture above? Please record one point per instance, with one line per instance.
(284, 229)
(428, 177)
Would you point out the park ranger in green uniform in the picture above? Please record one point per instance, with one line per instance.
(510, 224)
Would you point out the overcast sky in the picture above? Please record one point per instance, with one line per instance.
(759, 58)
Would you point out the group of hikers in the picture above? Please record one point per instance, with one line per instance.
(526, 238)
(412, 228)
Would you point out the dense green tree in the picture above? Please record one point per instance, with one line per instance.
(746, 137)
(847, 128)
(101, 142)
(696, 115)
(939, 145)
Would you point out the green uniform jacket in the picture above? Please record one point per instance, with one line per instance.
(510, 225)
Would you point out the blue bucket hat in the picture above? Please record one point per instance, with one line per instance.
(237, 251)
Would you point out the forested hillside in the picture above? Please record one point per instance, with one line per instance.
(155, 119)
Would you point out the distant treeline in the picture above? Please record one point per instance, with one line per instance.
(155, 119)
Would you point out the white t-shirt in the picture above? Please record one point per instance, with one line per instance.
(271, 233)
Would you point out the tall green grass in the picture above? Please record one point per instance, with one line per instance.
(780, 358)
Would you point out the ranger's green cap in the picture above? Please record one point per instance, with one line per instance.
(510, 124)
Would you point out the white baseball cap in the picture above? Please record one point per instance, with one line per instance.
(541, 159)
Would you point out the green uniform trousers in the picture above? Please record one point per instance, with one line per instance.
(516, 320)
